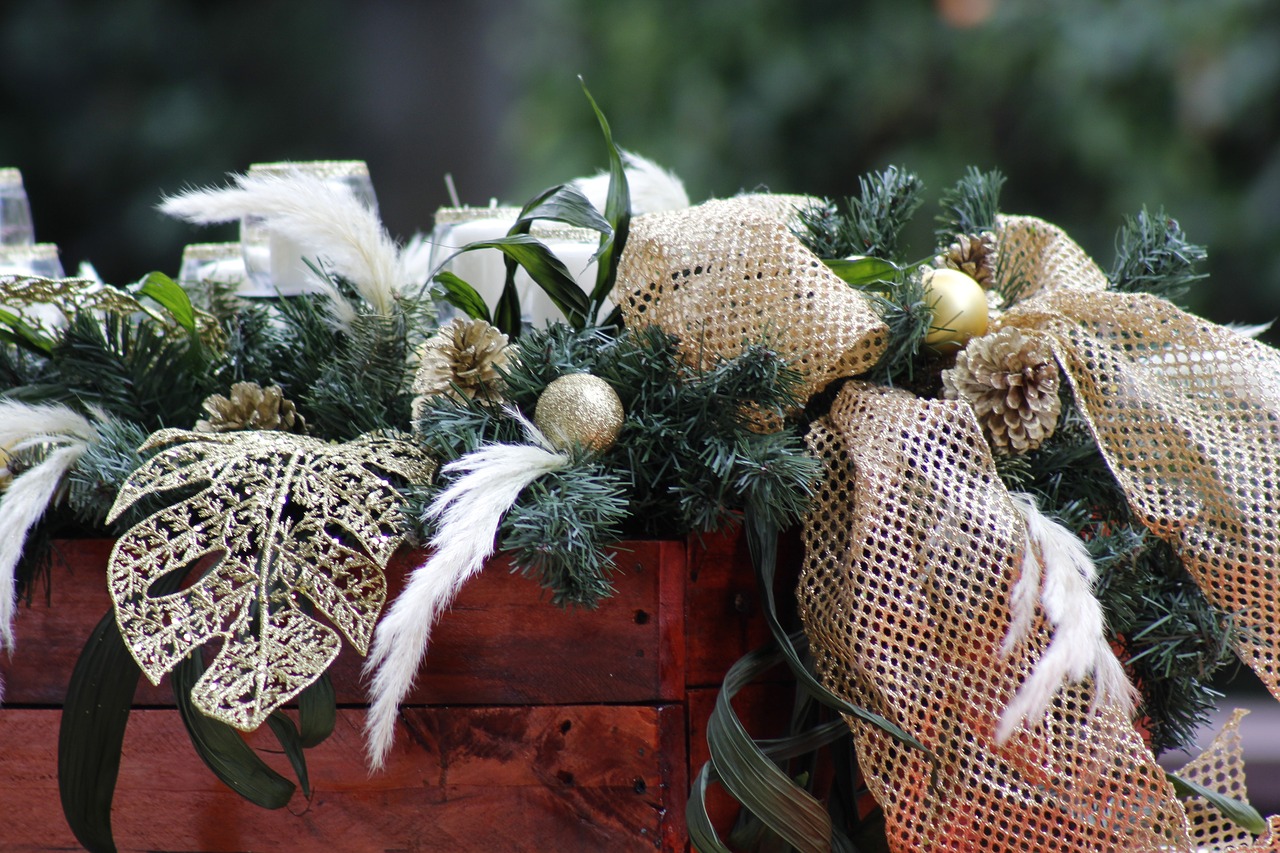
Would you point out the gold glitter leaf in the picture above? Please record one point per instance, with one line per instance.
(274, 524)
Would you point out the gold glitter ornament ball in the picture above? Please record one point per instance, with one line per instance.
(959, 309)
(579, 408)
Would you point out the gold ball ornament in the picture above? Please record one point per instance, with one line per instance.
(959, 309)
(579, 409)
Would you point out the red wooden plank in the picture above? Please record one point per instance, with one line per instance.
(566, 778)
(724, 619)
(502, 643)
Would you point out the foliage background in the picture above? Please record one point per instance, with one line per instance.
(1092, 108)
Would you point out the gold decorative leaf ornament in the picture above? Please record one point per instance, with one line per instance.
(274, 525)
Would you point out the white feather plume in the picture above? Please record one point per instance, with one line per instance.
(23, 426)
(1057, 570)
(652, 187)
(470, 511)
(324, 218)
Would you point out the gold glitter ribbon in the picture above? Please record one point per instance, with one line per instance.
(913, 544)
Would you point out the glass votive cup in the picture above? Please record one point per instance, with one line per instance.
(274, 265)
(16, 228)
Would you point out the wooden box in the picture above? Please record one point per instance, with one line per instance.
(530, 728)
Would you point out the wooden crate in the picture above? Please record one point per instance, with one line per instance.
(530, 728)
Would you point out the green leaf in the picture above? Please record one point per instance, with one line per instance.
(290, 741)
(561, 203)
(617, 211)
(463, 296)
(222, 749)
(1240, 813)
(170, 294)
(546, 270)
(762, 542)
(702, 834)
(752, 778)
(317, 711)
(863, 271)
(91, 733)
(20, 333)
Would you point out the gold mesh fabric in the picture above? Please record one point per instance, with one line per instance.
(730, 272)
(1219, 768)
(1187, 415)
(911, 550)
(1038, 257)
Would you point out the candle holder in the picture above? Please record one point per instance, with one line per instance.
(274, 265)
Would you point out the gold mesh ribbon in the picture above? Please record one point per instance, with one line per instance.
(1221, 768)
(730, 273)
(911, 550)
(1187, 415)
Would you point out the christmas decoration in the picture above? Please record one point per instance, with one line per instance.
(974, 255)
(1011, 380)
(465, 357)
(1002, 571)
(250, 406)
(579, 409)
(255, 597)
(959, 307)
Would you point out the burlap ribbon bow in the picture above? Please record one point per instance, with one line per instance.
(913, 546)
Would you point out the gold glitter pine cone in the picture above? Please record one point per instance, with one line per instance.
(250, 406)
(972, 254)
(1011, 379)
(463, 357)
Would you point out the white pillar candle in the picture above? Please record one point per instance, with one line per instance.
(275, 264)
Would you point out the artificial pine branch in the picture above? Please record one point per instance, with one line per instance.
(971, 206)
(874, 221)
(1154, 256)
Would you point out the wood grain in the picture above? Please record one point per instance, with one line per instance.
(533, 778)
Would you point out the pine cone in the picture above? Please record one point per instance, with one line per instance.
(973, 254)
(1011, 380)
(250, 407)
(463, 357)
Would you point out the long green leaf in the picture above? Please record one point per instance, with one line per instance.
(752, 778)
(762, 542)
(863, 271)
(617, 211)
(546, 270)
(702, 834)
(1240, 813)
(291, 742)
(317, 711)
(463, 296)
(170, 294)
(15, 330)
(91, 733)
(222, 749)
(561, 203)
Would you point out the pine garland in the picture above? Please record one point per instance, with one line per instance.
(688, 457)
(872, 222)
(1153, 255)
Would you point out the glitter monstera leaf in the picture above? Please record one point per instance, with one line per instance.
(275, 525)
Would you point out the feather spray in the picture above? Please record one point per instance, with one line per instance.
(65, 434)
(469, 512)
(1057, 573)
(324, 218)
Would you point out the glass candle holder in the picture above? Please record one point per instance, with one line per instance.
(485, 269)
(15, 210)
(39, 260)
(273, 263)
(209, 266)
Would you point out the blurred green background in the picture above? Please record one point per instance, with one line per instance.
(1091, 108)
